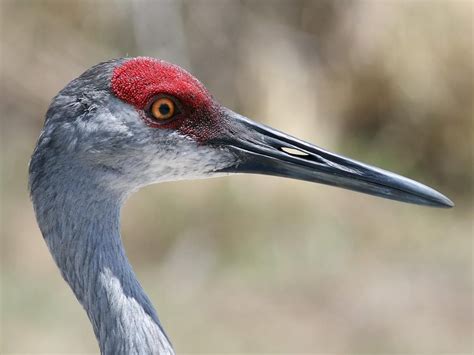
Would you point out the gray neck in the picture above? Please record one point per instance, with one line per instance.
(79, 220)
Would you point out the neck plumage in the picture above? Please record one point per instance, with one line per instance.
(80, 223)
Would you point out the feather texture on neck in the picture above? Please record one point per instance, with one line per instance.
(79, 219)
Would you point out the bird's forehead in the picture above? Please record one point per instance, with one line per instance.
(138, 79)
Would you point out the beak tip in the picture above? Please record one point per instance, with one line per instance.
(447, 203)
(439, 200)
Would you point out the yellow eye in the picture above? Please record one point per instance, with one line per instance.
(162, 109)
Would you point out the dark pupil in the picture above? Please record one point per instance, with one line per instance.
(164, 109)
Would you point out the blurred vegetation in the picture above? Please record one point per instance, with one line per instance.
(260, 264)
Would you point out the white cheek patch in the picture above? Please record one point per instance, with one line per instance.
(188, 160)
(135, 155)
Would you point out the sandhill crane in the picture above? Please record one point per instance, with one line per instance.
(130, 122)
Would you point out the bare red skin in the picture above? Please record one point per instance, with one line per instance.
(139, 80)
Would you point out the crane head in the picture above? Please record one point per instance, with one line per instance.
(132, 122)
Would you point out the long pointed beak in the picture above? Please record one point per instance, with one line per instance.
(263, 150)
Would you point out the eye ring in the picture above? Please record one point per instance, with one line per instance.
(162, 108)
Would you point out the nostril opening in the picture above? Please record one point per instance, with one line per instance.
(294, 152)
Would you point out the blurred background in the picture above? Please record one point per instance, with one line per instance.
(252, 264)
